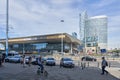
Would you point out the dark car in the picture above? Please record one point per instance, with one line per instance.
(66, 62)
(88, 58)
(50, 61)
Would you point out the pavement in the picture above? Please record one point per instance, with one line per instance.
(114, 71)
(12, 71)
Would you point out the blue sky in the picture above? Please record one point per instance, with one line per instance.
(38, 17)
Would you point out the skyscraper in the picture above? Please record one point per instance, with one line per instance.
(95, 33)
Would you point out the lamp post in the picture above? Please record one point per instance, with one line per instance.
(7, 25)
(62, 43)
(85, 42)
(62, 40)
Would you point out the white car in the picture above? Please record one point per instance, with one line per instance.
(15, 59)
(50, 61)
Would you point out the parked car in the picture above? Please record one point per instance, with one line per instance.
(15, 59)
(67, 62)
(7, 58)
(50, 61)
(88, 58)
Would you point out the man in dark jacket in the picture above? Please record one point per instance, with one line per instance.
(39, 60)
(104, 64)
(0, 60)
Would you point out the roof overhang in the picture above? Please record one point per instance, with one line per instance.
(52, 38)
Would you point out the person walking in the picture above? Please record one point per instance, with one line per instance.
(29, 60)
(104, 64)
(0, 60)
(39, 60)
(24, 61)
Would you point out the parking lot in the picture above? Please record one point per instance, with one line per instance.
(13, 71)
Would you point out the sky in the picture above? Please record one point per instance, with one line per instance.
(40, 17)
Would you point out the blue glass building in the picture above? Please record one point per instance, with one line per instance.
(95, 32)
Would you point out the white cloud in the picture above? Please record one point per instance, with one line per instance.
(103, 3)
(36, 17)
(61, 1)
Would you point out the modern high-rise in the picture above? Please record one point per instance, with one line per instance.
(95, 33)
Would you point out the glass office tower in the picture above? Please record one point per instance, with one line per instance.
(95, 32)
(83, 18)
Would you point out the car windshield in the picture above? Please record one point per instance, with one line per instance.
(88, 57)
(67, 59)
(50, 59)
(16, 56)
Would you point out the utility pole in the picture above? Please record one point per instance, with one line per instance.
(7, 25)
(62, 44)
(62, 40)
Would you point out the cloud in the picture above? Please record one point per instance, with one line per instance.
(36, 17)
(102, 3)
(33, 17)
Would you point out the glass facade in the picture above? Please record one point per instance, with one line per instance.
(93, 31)
(43, 43)
(83, 17)
(96, 31)
(39, 47)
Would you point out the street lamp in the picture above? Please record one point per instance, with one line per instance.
(62, 36)
(7, 25)
(62, 44)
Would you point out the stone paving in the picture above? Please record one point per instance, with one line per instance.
(12, 71)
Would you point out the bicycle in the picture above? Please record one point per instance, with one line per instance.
(45, 73)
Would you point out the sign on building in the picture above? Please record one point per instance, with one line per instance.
(103, 50)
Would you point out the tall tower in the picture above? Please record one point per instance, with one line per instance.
(83, 17)
(93, 32)
(97, 31)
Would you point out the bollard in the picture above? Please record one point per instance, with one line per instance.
(88, 64)
(84, 65)
(109, 64)
(78, 63)
(98, 64)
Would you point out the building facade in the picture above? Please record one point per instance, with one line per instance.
(95, 34)
(43, 43)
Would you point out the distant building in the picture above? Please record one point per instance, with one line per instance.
(2, 47)
(74, 34)
(95, 32)
(43, 43)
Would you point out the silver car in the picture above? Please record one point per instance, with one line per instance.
(50, 61)
(66, 62)
(15, 59)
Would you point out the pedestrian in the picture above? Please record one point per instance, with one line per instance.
(39, 61)
(29, 60)
(24, 61)
(3, 58)
(0, 60)
(103, 65)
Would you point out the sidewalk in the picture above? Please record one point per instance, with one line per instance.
(114, 71)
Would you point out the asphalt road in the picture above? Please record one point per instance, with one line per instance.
(12, 71)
